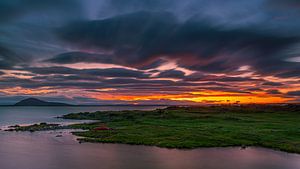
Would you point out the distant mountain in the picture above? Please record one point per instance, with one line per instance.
(37, 102)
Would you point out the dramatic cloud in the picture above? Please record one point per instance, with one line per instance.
(10, 9)
(171, 74)
(136, 39)
(80, 57)
(287, 4)
(150, 51)
(8, 58)
(272, 84)
(110, 72)
(294, 93)
(273, 92)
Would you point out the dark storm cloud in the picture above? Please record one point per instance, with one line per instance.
(289, 73)
(26, 26)
(216, 9)
(109, 72)
(195, 77)
(83, 81)
(127, 81)
(8, 58)
(152, 65)
(131, 5)
(286, 4)
(206, 36)
(272, 84)
(124, 34)
(5, 65)
(255, 89)
(171, 74)
(273, 91)
(202, 77)
(60, 78)
(52, 70)
(11, 82)
(10, 9)
(121, 83)
(63, 85)
(114, 72)
(294, 93)
(138, 38)
(84, 57)
(80, 57)
(224, 88)
(236, 79)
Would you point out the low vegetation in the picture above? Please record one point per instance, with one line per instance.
(37, 127)
(274, 127)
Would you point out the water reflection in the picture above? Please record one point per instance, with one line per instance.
(28, 115)
(45, 150)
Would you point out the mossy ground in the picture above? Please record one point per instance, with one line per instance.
(193, 127)
(37, 127)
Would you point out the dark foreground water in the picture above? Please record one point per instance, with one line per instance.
(46, 151)
(43, 150)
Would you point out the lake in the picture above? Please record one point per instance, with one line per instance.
(43, 150)
(12, 115)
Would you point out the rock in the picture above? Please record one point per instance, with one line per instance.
(243, 147)
(15, 126)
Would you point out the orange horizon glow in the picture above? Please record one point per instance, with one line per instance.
(203, 96)
(209, 97)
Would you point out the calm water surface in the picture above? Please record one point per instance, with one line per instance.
(43, 150)
(28, 115)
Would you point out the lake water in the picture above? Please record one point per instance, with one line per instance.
(43, 150)
(28, 115)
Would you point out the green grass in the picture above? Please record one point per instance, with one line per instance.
(37, 127)
(193, 127)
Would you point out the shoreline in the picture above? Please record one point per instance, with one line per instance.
(189, 128)
(76, 138)
(44, 145)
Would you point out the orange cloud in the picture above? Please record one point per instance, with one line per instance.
(201, 97)
(22, 91)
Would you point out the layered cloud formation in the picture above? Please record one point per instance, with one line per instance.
(150, 51)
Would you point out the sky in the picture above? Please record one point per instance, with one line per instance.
(150, 51)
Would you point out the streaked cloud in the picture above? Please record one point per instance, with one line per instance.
(150, 51)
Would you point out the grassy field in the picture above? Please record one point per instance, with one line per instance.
(37, 127)
(276, 127)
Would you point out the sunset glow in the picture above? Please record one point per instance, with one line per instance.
(159, 53)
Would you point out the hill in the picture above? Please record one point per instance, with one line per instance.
(37, 102)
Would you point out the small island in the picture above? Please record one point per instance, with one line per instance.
(271, 126)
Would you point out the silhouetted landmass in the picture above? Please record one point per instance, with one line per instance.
(37, 102)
